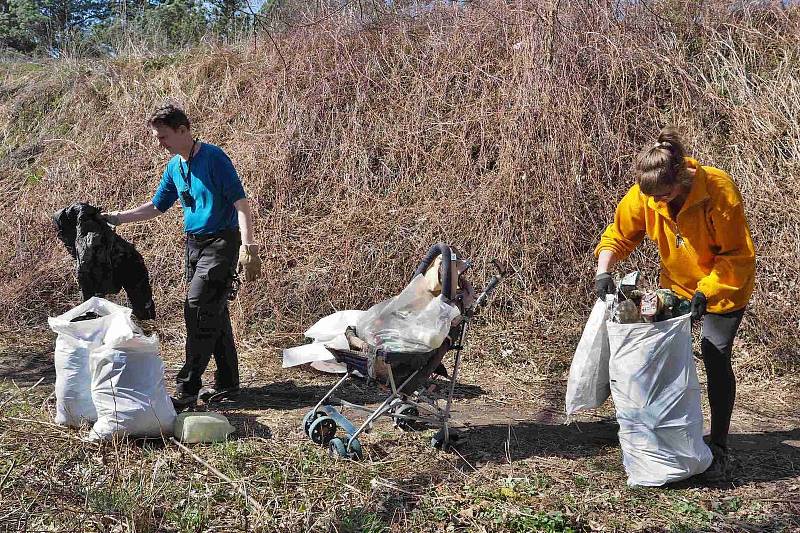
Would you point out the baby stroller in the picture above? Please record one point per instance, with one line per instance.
(411, 403)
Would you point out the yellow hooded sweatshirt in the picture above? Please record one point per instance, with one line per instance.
(707, 247)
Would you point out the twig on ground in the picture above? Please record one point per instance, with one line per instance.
(8, 472)
(17, 392)
(239, 487)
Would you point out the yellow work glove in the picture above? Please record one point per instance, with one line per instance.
(249, 262)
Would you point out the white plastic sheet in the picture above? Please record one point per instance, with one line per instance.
(657, 398)
(412, 321)
(128, 384)
(74, 343)
(328, 331)
(588, 384)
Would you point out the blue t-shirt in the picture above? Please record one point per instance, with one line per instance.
(214, 186)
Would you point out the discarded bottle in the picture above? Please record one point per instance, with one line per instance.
(195, 427)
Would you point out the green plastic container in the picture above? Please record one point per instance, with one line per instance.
(193, 427)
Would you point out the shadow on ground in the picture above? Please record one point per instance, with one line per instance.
(26, 365)
(758, 457)
(287, 395)
(499, 443)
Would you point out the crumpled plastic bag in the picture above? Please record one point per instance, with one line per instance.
(327, 331)
(588, 384)
(413, 321)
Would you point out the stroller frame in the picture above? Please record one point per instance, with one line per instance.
(408, 404)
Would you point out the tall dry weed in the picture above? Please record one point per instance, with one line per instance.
(506, 129)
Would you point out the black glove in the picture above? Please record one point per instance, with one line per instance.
(604, 284)
(698, 308)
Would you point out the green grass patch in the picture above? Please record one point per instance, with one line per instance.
(360, 520)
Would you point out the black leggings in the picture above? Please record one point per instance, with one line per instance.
(716, 343)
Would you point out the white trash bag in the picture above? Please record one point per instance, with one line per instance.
(128, 385)
(588, 384)
(327, 331)
(74, 343)
(412, 321)
(657, 398)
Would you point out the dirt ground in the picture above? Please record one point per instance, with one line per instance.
(511, 419)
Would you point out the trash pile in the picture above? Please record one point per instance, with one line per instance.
(632, 305)
(637, 348)
(414, 321)
(417, 320)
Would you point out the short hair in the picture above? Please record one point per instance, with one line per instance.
(169, 115)
(662, 164)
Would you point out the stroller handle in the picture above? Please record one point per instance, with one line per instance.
(503, 272)
(440, 248)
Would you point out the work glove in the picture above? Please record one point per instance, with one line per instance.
(112, 218)
(249, 262)
(604, 284)
(698, 306)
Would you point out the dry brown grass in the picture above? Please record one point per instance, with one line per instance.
(491, 128)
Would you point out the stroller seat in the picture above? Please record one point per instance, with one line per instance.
(375, 364)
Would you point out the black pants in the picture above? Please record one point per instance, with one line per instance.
(210, 268)
(716, 343)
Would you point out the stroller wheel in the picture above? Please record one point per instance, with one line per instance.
(438, 440)
(338, 448)
(309, 419)
(407, 424)
(322, 430)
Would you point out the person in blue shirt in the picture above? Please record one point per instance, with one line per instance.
(219, 241)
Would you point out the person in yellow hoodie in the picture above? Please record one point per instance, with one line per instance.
(695, 215)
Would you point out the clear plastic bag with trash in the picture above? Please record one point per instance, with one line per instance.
(414, 321)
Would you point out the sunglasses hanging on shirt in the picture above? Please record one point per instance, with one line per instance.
(186, 194)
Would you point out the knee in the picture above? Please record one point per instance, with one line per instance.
(715, 349)
(202, 319)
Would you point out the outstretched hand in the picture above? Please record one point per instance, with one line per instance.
(604, 284)
(112, 218)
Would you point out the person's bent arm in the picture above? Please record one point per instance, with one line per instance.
(619, 239)
(606, 260)
(245, 216)
(146, 211)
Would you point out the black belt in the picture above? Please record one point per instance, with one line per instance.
(224, 234)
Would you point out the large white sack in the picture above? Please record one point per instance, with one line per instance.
(128, 385)
(329, 327)
(588, 384)
(74, 342)
(657, 398)
(73, 388)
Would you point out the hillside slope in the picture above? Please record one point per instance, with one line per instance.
(506, 132)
